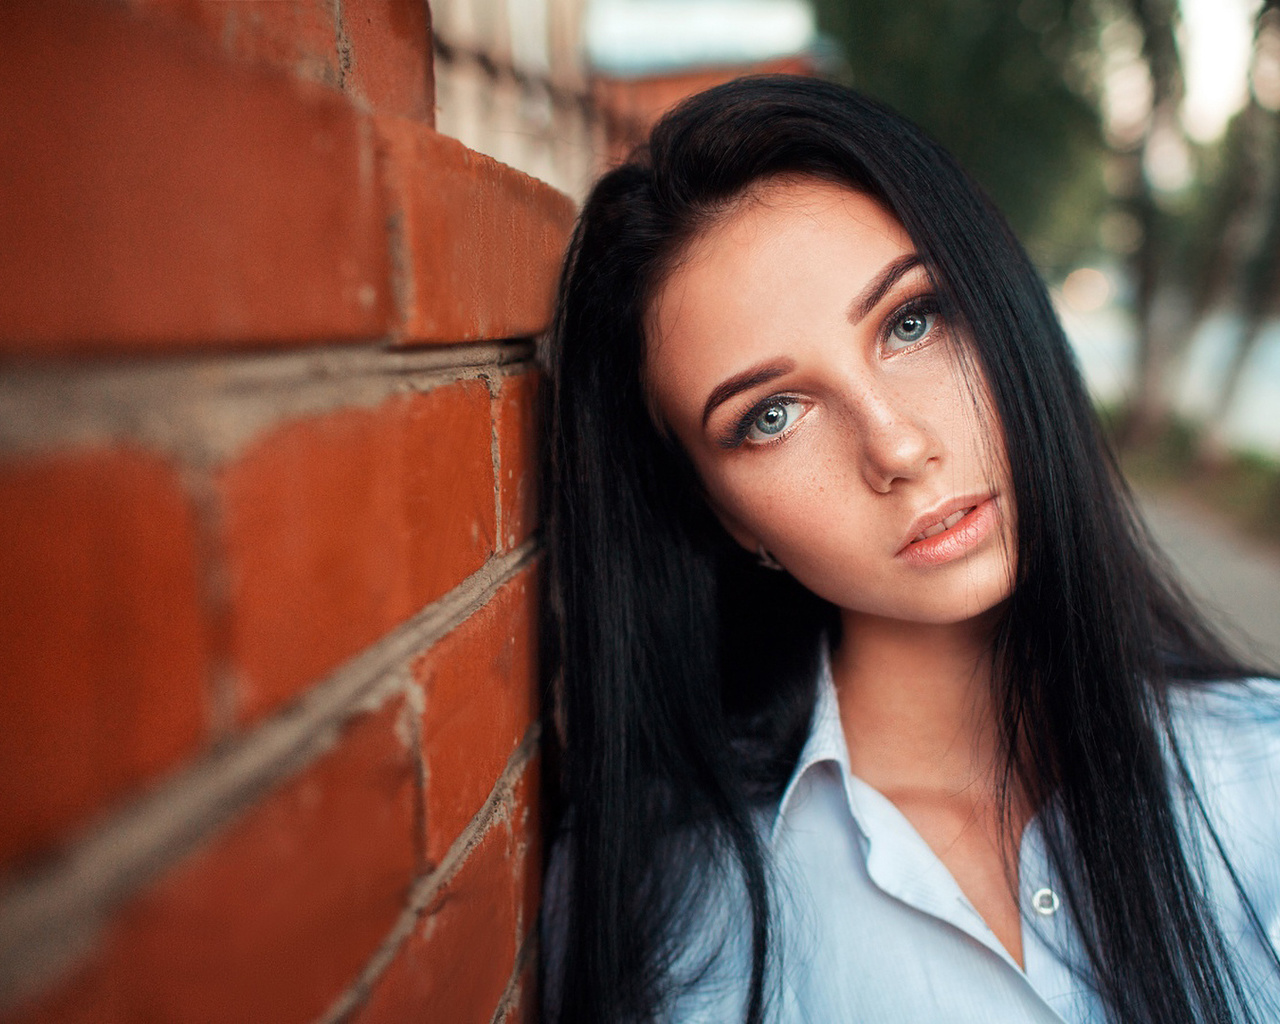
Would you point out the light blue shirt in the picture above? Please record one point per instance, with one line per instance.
(871, 927)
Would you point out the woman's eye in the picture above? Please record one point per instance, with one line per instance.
(773, 418)
(910, 328)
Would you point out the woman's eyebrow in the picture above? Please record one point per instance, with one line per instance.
(744, 381)
(865, 301)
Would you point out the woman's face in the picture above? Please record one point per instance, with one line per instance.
(798, 355)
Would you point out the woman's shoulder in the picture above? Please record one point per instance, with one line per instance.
(1228, 735)
(1225, 716)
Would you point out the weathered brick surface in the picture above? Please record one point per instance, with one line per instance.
(103, 650)
(377, 51)
(516, 419)
(276, 915)
(456, 964)
(459, 959)
(300, 36)
(525, 823)
(479, 244)
(341, 526)
(390, 56)
(480, 700)
(158, 196)
(526, 829)
(207, 176)
(524, 1009)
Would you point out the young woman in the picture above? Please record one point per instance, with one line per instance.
(874, 702)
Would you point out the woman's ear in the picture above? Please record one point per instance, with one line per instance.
(748, 540)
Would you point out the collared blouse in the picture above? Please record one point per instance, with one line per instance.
(870, 926)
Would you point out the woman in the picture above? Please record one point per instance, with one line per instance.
(875, 703)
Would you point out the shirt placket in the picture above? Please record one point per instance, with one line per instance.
(902, 865)
(1049, 945)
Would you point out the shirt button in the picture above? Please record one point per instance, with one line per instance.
(1045, 902)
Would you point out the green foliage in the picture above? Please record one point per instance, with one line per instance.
(1004, 85)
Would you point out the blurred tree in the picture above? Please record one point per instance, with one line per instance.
(1007, 86)
(1249, 242)
(1154, 263)
(1214, 245)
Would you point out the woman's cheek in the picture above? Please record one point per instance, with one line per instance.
(741, 513)
(761, 499)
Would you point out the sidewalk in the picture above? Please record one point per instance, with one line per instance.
(1237, 580)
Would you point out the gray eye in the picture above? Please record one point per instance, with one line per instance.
(776, 417)
(772, 420)
(910, 328)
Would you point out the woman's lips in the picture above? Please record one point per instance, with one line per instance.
(960, 532)
(944, 524)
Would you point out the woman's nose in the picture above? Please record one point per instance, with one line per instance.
(896, 443)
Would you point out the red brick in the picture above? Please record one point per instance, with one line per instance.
(518, 457)
(298, 35)
(390, 46)
(479, 243)
(160, 196)
(341, 526)
(456, 964)
(378, 52)
(102, 641)
(276, 917)
(481, 697)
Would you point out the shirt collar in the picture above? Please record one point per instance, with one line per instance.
(826, 742)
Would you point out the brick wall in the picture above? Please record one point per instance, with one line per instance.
(269, 748)
(630, 105)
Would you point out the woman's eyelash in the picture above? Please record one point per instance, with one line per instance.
(926, 305)
(920, 305)
(738, 432)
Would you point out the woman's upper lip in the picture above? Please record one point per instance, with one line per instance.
(940, 512)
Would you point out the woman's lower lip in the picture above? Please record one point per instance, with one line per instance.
(956, 541)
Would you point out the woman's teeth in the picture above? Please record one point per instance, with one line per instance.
(946, 524)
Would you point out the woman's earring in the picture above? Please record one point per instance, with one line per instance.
(767, 560)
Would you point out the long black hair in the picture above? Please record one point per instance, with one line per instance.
(680, 676)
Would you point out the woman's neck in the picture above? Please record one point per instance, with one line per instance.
(916, 706)
(915, 702)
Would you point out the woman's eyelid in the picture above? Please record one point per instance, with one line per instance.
(926, 304)
(914, 285)
(735, 432)
(749, 421)
(735, 414)
(779, 398)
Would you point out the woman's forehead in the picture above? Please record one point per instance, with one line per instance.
(770, 203)
(786, 246)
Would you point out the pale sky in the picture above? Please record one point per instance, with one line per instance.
(1216, 39)
(653, 34)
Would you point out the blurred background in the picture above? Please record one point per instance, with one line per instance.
(268, 436)
(1134, 145)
